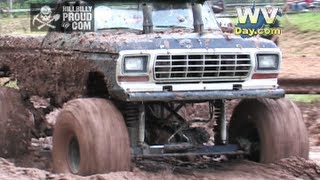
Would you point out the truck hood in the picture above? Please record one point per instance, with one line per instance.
(116, 41)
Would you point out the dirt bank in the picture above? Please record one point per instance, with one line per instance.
(301, 54)
(16, 123)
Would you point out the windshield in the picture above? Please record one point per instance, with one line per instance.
(110, 15)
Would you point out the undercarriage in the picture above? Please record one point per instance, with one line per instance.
(170, 129)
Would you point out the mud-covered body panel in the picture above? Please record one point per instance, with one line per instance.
(115, 41)
(58, 74)
(58, 64)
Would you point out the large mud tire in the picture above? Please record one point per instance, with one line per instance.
(15, 124)
(273, 128)
(90, 137)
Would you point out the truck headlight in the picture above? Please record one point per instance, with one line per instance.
(268, 61)
(135, 64)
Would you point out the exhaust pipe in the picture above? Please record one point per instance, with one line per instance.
(147, 19)
(197, 18)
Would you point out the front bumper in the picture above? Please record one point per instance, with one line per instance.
(202, 95)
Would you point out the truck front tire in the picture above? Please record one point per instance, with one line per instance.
(90, 137)
(269, 129)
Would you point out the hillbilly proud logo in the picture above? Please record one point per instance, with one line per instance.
(66, 17)
(254, 21)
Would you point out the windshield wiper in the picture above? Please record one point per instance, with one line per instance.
(171, 26)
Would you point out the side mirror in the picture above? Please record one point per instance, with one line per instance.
(227, 29)
(217, 9)
(226, 25)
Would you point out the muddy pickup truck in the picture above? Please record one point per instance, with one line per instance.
(130, 88)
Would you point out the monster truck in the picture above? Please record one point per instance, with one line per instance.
(131, 82)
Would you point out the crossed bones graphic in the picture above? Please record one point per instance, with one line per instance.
(45, 23)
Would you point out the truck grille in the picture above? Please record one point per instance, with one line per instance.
(202, 68)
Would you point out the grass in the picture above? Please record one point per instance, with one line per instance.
(306, 98)
(6, 82)
(17, 26)
(305, 22)
(12, 84)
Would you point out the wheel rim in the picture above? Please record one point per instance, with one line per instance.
(250, 134)
(74, 155)
(255, 145)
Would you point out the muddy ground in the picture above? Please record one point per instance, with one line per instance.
(37, 163)
(301, 59)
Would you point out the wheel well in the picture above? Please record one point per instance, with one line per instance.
(4, 71)
(96, 85)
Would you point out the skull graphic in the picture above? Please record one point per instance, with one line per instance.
(45, 18)
(45, 13)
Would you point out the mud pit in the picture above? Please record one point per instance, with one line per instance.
(285, 169)
(38, 162)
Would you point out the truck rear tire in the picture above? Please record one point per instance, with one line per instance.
(269, 129)
(90, 137)
(15, 124)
